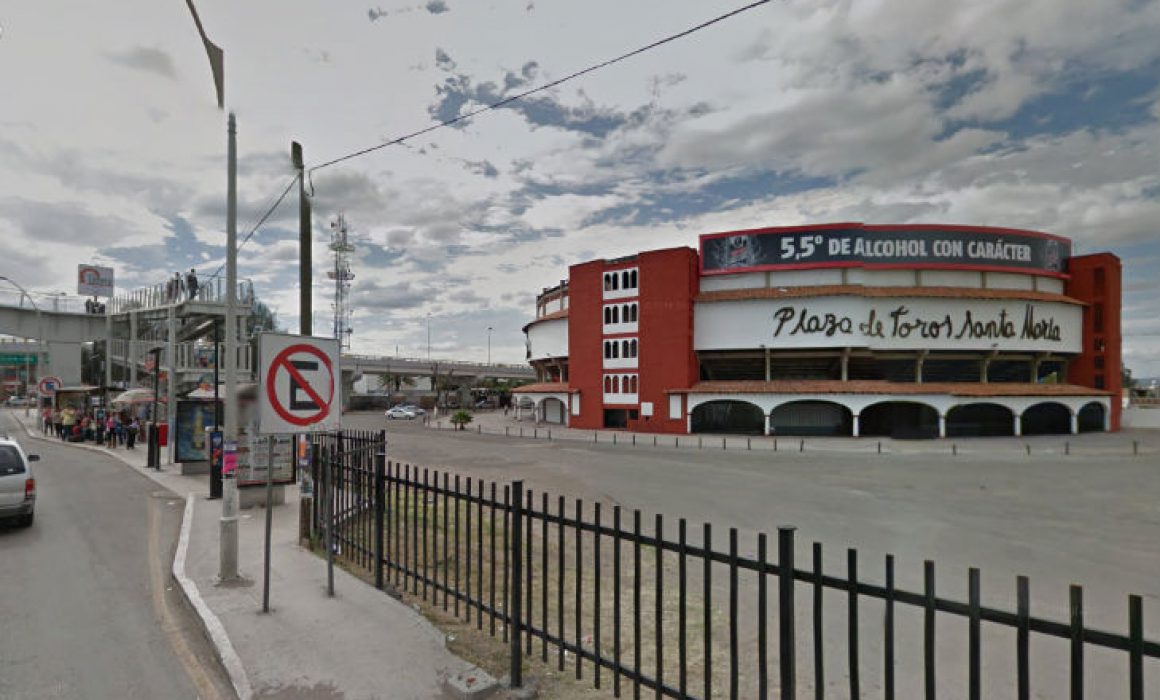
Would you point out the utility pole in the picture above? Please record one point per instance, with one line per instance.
(489, 345)
(228, 570)
(305, 235)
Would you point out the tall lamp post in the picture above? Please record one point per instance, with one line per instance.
(228, 542)
(489, 345)
(428, 336)
(39, 342)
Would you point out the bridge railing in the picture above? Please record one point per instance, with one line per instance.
(188, 357)
(435, 361)
(212, 290)
(45, 301)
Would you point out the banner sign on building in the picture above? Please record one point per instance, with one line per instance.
(891, 324)
(859, 245)
(94, 281)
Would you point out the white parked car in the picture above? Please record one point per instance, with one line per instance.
(412, 408)
(17, 483)
(398, 412)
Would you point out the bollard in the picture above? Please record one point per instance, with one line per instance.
(749, 443)
(634, 439)
(802, 446)
(506, 431)
(1135, 447)
(954, 449)
(614, 438)
(535, 433)
(1028, 449)
(479, 429)
(722, 443)
(879, 447)
(594, 434)
(775, 444)
(654, 440)
(1067, 447)
(521, 431)
(549, 434)
(698, 443)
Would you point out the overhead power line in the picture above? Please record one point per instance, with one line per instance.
(262, 220)
(541, 88)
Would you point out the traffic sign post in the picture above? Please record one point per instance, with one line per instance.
(49, 385)
(300, 384)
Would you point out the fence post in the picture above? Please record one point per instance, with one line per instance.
(785, 620)
(380, 505)
(514, 608)
(328, 506)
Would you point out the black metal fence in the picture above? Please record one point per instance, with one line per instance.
(637, 608)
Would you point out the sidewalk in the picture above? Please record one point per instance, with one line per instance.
(359, 644)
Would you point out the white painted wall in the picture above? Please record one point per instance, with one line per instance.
(805, 278)
(752, 322)
(952, 278)
(881, 278)
(1007, 280)
(548, 338)
(748, 280)
(1049, 284)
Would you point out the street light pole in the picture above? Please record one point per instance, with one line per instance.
(228, 570)
(428, 336)
(489, 345)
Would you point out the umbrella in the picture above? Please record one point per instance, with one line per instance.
(133, 396)
(246, 390)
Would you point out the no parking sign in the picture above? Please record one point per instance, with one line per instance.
(300, 384)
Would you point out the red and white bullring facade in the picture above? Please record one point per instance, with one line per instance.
(835, 329)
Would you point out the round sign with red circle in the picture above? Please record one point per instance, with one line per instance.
(300, 385)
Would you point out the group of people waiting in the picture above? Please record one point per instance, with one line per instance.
(114, 428)
(182, 287)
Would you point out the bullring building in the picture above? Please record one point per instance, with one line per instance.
(835, 329)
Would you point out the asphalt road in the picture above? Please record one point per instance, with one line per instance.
(1091, 520)
(87, 605)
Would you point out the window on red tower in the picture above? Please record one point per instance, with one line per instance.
(632, 348)
(633, 279)
(616, 385)
(615, 314)
(1098, 317)
(633, 314)
(633, 381)
(607, 315)
(608, 385)
(608, 283)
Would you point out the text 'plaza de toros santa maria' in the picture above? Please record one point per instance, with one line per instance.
(835, 329)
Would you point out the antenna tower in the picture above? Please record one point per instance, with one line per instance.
(341, 274)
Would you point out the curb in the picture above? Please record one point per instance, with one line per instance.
(212, 626)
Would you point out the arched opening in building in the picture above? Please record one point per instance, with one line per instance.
(1047, 418)
(1091, 417)
(975, 419)
(898, 419)
(552, 411)
(811, 418)
(728, 417)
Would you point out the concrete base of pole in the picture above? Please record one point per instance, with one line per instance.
(228, 570)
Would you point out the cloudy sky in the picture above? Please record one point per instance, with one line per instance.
(1024, 113)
